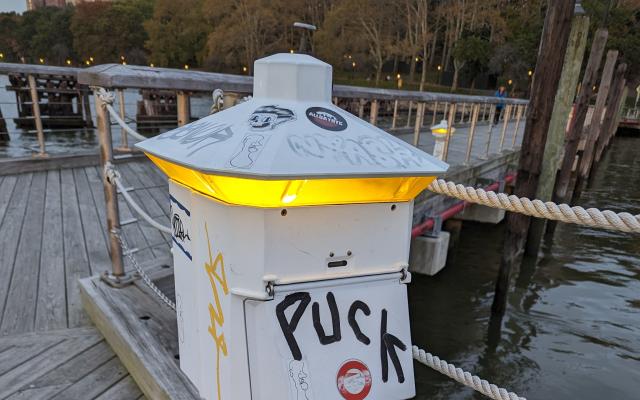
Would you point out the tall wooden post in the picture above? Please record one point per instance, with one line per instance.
(593, 130)
(611, 110)
(559, 119)
(577, 121)
(553, 46)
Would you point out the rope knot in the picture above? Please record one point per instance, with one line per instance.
(111, 173)
(106, 96)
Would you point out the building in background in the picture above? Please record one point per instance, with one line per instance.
(34, 4)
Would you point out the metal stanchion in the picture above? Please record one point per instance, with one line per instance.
(475, 110)
(515, 132)
(117, 276)
(373, 115)
(452, 114)
(505, 121)
(35, 107)
(418, 124)
(124, 139)
(395, 115)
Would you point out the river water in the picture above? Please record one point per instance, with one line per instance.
(572, 327)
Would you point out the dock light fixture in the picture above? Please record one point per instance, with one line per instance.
(1, 56)
(439, 132)
(530, 72)
(398, 76)
(186, 66)
(91, 59)
(510, 81)
(244, 69)
(353, 64)
(439, 67)
(289, 215)
(151, 65)
(68, 62)
(41, 60)
(291, 51)
(87, 62)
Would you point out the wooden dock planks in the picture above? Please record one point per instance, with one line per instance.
(71, 364)
(53, 230)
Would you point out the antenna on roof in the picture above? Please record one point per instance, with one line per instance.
(304, 39)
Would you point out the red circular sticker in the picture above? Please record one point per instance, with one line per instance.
(354, 380)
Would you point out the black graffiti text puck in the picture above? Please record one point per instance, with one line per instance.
(326, 119)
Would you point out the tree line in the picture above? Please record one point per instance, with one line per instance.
(372, 39)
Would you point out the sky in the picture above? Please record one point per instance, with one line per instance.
(13, 5)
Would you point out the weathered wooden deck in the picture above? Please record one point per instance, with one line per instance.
(52, 232)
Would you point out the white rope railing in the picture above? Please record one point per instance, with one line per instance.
(113, 175)
(108, 99)
(480, 385)
(593, 217)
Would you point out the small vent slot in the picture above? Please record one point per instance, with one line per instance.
(335, 264)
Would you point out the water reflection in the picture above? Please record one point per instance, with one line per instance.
(572, 325)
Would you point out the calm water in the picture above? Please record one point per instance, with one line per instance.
(572, 328)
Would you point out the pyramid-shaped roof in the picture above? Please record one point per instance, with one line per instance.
(290, 130)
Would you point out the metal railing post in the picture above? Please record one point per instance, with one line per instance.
(418, 124)
(492, 115)
(373, 115)
(110, 192)
(435, 113)
(184, 109)
(409, 114)
(35, 107)
(124, 139)
(515, 132)
(505, 121)
(475, 110)
(394, 121)
(464, 105)
(423, 109)
(452, 114)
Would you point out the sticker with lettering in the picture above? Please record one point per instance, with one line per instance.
(181, 226)
(354, 380)
(326, 119)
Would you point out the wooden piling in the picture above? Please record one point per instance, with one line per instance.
(577, 121)
(559, 118)
(611, 110)
(553, 46)
(593, 131)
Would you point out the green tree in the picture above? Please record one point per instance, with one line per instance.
(177, 33)
(9, 43)
(108, 31)
(470, 49)
(44, 33)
